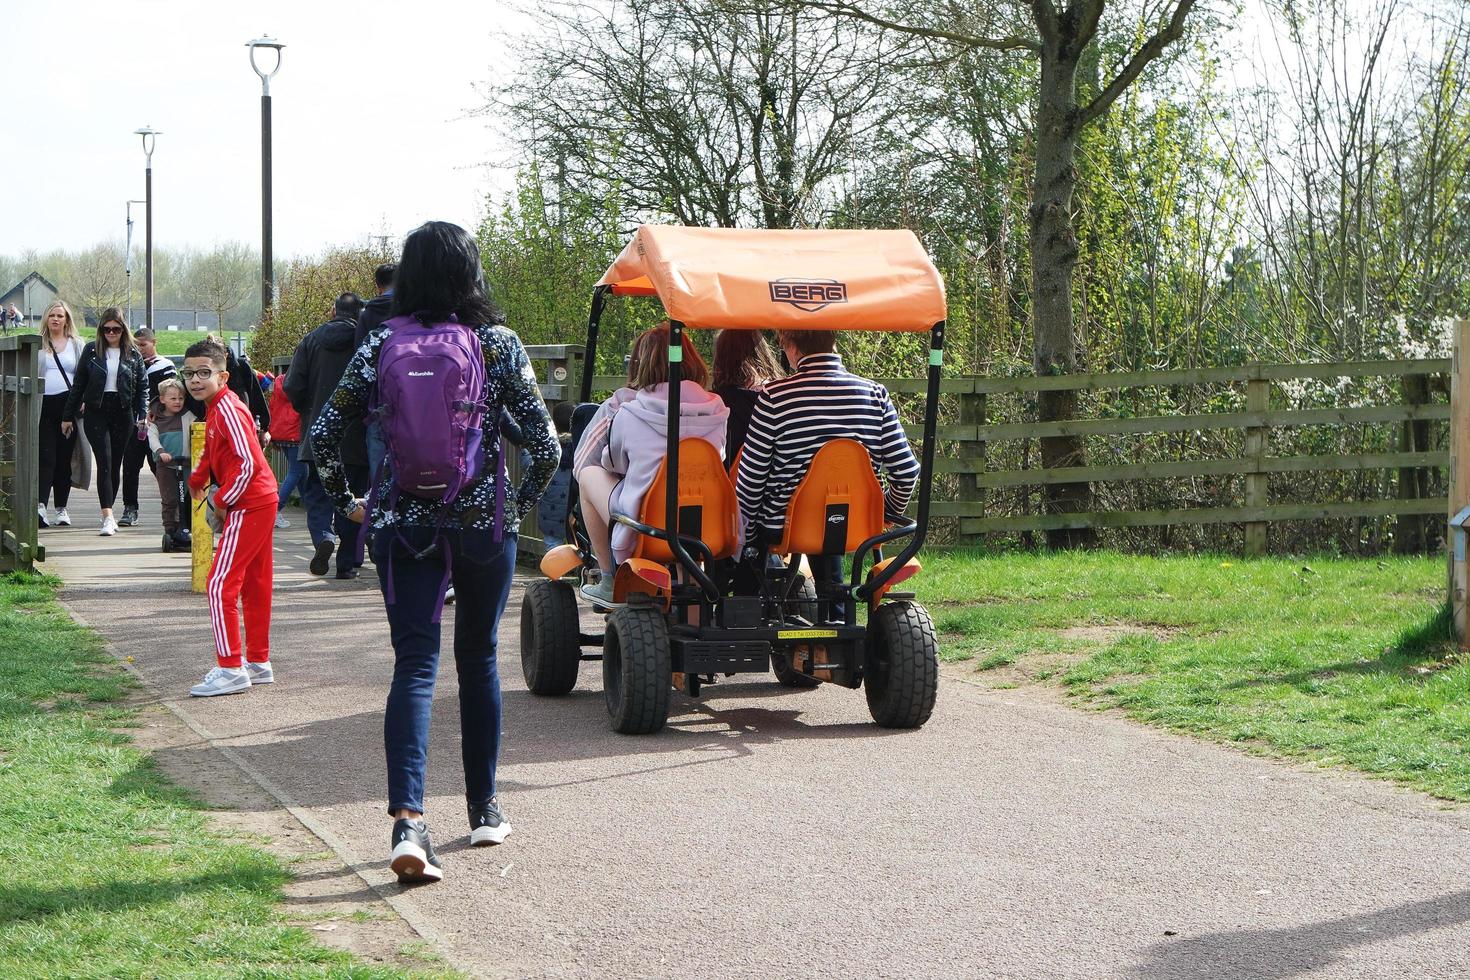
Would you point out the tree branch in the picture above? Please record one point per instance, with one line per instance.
(1150, 50)
(1012, 43)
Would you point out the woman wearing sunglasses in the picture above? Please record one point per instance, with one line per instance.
(110, 394)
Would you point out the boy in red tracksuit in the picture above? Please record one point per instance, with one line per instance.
(246, 507)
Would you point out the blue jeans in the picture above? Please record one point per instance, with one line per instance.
(481, 571)
(319, 509)
(295, 472)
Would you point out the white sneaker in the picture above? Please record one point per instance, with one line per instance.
(62, 517)
(281, 521)
(260, 673)
(41, 513)
(222, 680)
(109, 527)
(449, 595)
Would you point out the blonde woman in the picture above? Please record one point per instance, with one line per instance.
(61, 349)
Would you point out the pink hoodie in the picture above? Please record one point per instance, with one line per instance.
(638, 443)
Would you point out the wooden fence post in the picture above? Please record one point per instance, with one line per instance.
(29, 389)
(972, 412)
(1459, 489)
(1257, 487)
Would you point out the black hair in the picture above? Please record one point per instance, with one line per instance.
(383, 277)
(348, 305)
(440, 274)
(217, 353)
(561, 416)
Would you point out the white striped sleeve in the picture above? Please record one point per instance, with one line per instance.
(240, 441)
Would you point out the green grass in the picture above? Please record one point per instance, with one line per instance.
(1340, 661)
(111, 870)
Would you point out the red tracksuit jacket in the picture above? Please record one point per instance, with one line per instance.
(232, 456)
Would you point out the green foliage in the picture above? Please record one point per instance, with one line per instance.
(113, 871)
(308, 289)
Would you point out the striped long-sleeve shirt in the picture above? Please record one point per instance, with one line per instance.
(796, 416)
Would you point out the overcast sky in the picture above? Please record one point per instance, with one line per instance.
(78, 76)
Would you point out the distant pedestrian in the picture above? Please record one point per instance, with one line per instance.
(110, 395)
(286, 437)
(246, 506)
(315, 370)
(168, 438)
(446, 325)
(61, 349)
(136, 451)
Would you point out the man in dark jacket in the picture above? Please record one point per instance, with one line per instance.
(316, 368)
(380, 307)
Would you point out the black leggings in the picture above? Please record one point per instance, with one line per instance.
(56, 450)
(106, 431)
(135, 454)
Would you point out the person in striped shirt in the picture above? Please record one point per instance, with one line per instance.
(796, 416)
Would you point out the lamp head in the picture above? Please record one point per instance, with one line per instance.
(271, 44)
(149, 135)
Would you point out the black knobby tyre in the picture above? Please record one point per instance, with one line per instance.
(902, 675)
(787, 675)
(636, 670)
(550, 649)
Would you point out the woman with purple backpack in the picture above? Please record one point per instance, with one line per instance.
(440, 512)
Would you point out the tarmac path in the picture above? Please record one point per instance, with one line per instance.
(773, 833)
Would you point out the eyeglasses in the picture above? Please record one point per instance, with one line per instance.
(203, 374)
(112, 329)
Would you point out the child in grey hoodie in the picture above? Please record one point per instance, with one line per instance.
(168, 438)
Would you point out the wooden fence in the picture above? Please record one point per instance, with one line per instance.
(966, 445)
(20, 448)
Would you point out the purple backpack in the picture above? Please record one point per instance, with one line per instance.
(430, 404)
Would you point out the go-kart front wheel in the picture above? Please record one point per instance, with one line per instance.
(551, 649)
(901, 679)
(636, 669)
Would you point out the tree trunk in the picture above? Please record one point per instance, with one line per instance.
(1053, 257)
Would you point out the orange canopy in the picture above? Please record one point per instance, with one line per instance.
(785, 280)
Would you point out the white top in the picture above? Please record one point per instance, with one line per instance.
(114, 358)
(67, 354)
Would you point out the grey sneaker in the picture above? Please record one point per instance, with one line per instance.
(601, 592)
(260, 673)
(222, 680)
(129, 518)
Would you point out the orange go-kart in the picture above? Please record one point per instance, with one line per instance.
(687, 618)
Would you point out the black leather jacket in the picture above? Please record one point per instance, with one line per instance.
(91, 378)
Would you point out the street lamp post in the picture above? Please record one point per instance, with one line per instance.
(128, 259)
(267, 274)
(150, 136)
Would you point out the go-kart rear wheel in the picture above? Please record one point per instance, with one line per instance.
(551, 651)
(902, 675)
(636, 669)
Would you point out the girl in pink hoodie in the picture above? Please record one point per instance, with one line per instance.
(625, 443)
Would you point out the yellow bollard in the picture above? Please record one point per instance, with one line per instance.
(199, 515)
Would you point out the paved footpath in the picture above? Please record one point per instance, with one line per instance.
(776, 833)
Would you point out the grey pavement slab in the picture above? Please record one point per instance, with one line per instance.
(770, 832)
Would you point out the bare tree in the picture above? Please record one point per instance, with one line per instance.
(222, 278)
(700, 110)
(99, 278)
(1063, 38)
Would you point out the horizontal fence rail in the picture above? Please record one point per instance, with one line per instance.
(965, 446)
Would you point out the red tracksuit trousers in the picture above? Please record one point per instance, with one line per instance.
(241, 573)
